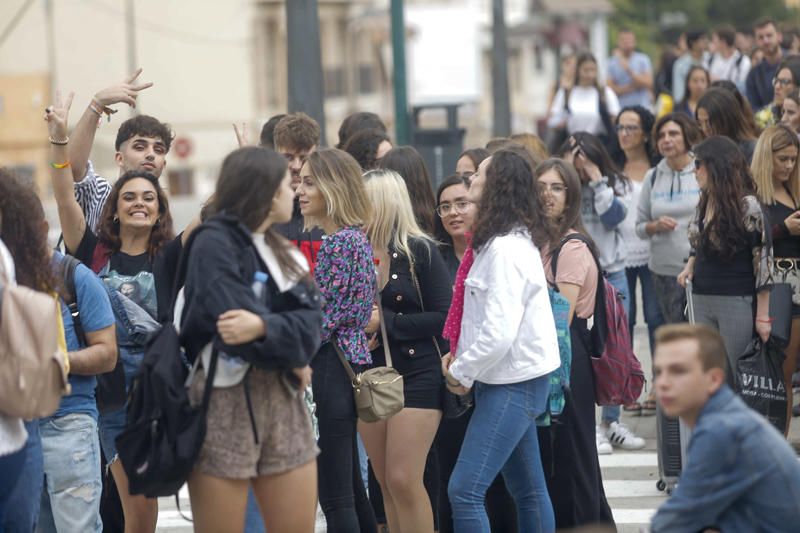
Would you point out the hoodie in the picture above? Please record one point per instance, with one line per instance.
(672, 193)
(307, 241)
(603, 210)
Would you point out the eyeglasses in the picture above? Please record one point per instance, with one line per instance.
(627, 129)
(783, 81)
(457, 208)
(554, 188)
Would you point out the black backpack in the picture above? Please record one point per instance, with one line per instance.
(164, 433)
(110, 388)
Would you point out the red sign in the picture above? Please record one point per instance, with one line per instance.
(182, 147)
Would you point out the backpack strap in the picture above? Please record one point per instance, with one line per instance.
(69, 265)
(557, 251)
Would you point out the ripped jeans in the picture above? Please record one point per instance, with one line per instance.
(72, 485)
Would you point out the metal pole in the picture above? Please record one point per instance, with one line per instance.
(130, 34)
(51, 47)
(305, 61)
(500, 93)
(402, 133)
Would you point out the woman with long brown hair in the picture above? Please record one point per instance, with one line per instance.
(248, 292)
(569, 451)
(135, 244)
(731, 259)
(507, 362)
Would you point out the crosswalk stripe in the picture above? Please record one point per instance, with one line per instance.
(631, 489)
(632, 516)
(629, 460)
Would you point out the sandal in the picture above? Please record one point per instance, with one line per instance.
(649, 407)
(633, 409)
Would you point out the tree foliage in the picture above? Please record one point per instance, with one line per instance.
(657, 21)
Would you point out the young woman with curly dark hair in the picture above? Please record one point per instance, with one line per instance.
(731, 258)
(135, 243)
(506, 360)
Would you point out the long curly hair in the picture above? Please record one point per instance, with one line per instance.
(23, 230)
(108, 228)
(729, 181)
(510, 199)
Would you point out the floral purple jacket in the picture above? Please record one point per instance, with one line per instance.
(345, 275)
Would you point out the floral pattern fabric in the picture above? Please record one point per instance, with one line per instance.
(345, 275)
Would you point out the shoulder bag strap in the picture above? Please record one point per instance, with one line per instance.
(386, 350)
(555, 253)
(422, 305)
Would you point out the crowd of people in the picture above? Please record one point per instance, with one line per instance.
(308, 265)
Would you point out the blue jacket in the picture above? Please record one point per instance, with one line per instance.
(740, 475)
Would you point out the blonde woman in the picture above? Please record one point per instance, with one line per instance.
(410, 267)
(331, 196)
(777, 177)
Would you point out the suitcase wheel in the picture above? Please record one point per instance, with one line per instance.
(660, 485)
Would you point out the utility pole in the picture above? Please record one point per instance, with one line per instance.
(402, 133)
(305, 61)
(130, 34)
(501, 126)
(51, 47)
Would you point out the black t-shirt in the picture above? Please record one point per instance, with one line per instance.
(784, 244)
(147, 280)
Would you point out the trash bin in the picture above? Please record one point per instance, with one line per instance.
(440, 147)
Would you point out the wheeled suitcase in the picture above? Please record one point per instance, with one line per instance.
(672, 435)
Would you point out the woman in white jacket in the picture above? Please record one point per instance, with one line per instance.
(507, 348)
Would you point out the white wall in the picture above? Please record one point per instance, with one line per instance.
(197, 52)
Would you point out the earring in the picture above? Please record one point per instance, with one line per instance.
(115, 219)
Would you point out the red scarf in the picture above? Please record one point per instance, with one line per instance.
(452, 326)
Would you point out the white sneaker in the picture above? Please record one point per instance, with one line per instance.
(622, 437)
(603, 446)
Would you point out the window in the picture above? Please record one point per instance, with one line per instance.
(181, 181)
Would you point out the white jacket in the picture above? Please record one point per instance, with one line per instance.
(507, 331)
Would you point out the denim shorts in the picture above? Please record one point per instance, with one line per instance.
(112, 423)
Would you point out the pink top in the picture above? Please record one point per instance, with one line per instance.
(576, 266)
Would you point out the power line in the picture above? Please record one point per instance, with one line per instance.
(15, 20)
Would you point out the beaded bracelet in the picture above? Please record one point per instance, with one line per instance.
(59, 143)
(59, 166)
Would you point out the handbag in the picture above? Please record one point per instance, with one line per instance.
(786, 271)
(455, 405)
(781, 298)
(378, 391)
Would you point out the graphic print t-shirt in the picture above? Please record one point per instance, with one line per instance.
(131, 275)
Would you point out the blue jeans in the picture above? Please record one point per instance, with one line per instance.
(112, 423)
(619, 280)
(253, 521)
(71, 496)
(652, 310)
(22, 509)
(11, 466)
(502, 436)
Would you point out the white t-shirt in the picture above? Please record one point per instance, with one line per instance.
(583, 113)
(638, 248)
(731, 69)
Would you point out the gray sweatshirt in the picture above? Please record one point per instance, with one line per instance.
(667, 192)
(602, 213)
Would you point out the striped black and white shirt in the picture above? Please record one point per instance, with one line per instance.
(91, 193)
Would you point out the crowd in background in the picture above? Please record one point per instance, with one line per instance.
(310, 265)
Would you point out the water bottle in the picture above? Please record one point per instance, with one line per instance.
(260, 285)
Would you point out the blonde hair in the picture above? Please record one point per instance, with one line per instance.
(773, 139)
(338, 177)
(533, 143)
(393, 221)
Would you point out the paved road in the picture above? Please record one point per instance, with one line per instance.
(629, 478)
